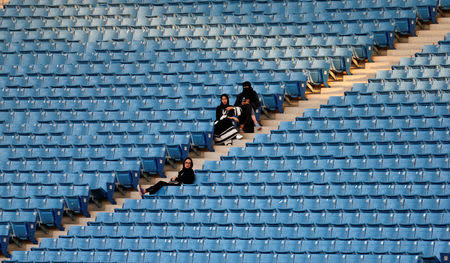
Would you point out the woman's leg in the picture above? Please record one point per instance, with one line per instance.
(153, 189)
(257, 126)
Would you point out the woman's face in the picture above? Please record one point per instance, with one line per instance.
(187, 164)
(224, 100)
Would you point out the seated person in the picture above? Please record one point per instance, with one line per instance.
(224, 129)
(185, 176)
(250, 93)
(246, 122)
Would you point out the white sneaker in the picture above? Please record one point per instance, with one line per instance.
(239, 136)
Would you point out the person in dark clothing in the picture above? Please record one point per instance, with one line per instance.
(224, 129)
(249, 93)
(246, 123)
(185, 176)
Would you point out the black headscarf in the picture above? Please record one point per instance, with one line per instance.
(247, 90)
(186, 175)
(221, 109)
(249, 93)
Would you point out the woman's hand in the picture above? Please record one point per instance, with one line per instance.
(173, 179)
(234, 119)
(229, 108)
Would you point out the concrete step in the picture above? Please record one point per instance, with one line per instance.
(403, 52)
(432, 33)
(407, 46)
(393, 59)
(442, 26)
(358, 77)
(382, 65)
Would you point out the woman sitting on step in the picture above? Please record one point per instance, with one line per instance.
(224, 127)
(185, 176)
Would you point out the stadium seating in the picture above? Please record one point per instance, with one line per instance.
(97, 93)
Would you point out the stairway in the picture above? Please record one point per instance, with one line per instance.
(407, 47)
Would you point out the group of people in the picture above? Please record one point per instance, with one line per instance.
(230, 122)
(236, 119)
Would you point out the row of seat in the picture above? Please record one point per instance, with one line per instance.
(126, 171)
(325, 175)
(281, 202)
(330, 246)
(82, 74)
(292, 82)
(310, 231)
(386, 97)
(164, 4)
(35, 115)
(79, 152)
(339, 149)
(326, 162)
(135, 159)
(354, 135)
(31, 150)
(85, 17)
(197, 134)
(104, 118)
(143, 9)
(78, 29)
(145, 101)
(50, 210)
(151, 147)
(427, 11)
(76, 197)
(139, 11)
(307, 189)
(200, 257)
(149, 144)
(110, 91)
(114, 127)
(441, 49)
(128, 166)
(430, 60)
(67, 121)
(118, 64)
(414, 72)
(287, 216)
(117, 25)
(27, 206)
(18, 88)
(393, 110)
(383, 32)
(101, 184)
(5, 235)
(401, 85)
(267, 232)
(121, 50)
(272, 94)
(23, 224)
(293, 141)
(386, 123)
(204, 68)
(150, 79)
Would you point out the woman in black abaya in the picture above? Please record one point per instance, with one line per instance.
(224, 128)
(185, 176)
